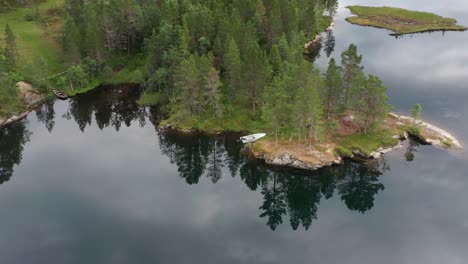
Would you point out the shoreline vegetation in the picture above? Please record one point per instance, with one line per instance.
(401, 21)
(36, 48)
(221, 67)
(356, 146)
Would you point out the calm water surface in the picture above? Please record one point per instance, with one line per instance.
(90, 180)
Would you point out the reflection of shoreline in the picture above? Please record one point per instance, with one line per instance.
(318, 37)
(12, 141)
(287, 194)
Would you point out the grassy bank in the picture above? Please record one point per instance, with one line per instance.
(331, 148)
(37, 40)
(343, 146)
(401, 21)
(236, 120)
(128, 69)
(365, 143)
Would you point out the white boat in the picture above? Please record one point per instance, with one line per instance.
(252, 138)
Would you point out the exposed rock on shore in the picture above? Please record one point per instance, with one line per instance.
(318, 37)
(29, 96)
(287, 153)
(429, 134)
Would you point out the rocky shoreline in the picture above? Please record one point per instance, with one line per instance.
(30, 96)
(430, 134)
(318, 37)
(314, 159)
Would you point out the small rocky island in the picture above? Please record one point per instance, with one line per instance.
(401, 21)
(351, 144)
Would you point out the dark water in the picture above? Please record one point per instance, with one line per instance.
(90, 180)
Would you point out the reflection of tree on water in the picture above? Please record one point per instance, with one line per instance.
(12, 140)
(111, 106)
(412, 146)
(189, 152)
(360, 184)
(286, 193)
(274, 206)
(45, 114)
(302, 197)
(253, 174)
(215, 161)
(108, 105)
(331, 6)
(329, 43)
(232, 158)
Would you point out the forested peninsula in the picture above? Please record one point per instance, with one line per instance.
(211, 66)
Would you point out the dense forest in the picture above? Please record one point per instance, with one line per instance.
(217, 65)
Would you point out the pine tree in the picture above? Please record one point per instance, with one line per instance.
(275, 60)
(213, 93)
(184, 39)
(289, 16)
(70, 38)
(94, 38)
(186, 86)
(232, 66)
(350, 63)
(314, 119)
(332, 93)
(357, 90)
(10, 52)
(373, 107)
(275, 110)
(416, 113)
(308, 110)
(256, 73)
(276, 24)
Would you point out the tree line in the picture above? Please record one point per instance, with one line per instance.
(220, 59)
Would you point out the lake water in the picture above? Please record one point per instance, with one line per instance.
(90, 180)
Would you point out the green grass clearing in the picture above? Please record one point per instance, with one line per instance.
(36, 39)
(365, 143)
